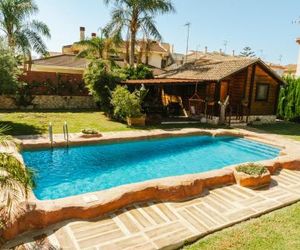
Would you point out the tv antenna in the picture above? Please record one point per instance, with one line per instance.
(280, 59)
(225, 43)
(188, 25)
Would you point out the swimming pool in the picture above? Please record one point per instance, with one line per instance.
(64, 172)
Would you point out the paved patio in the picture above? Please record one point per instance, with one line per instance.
(168, 225)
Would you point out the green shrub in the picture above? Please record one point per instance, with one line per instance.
(9, 71)
(126, 104)
(101, 79)
(90, 131)
(252, 169)
(139, 72)
(289, 99)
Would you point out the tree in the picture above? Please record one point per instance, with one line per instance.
(9, 71)
(289, 99)
(15, 182)
(247, 52)
(101, 78)
(136, 16)
(22, 33)
(139, 72)
(97, 48)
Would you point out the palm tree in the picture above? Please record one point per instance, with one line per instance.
(136, 16)
(97, 47)
(22, 33)
(15, 182)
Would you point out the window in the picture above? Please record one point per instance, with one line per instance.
(262, 92)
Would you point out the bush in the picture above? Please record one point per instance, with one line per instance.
(9, 71)
(139, 72)
(252, 169)
(101, 79)
(126, 104)
(289, 99)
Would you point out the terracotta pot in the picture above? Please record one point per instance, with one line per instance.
(252, 181)
(140, 121)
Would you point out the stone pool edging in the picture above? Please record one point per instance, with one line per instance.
(39, 214)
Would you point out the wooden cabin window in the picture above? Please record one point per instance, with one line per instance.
(262, 92)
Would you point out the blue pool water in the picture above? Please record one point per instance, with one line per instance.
(65, 172)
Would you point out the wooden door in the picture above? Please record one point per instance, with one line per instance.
(224, 91)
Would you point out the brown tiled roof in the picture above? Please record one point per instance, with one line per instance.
(208, 69)
(154, 46)
(70, 61)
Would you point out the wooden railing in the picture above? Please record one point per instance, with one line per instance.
(238, 112)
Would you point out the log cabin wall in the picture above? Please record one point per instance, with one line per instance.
(267, 107)
(237, 87)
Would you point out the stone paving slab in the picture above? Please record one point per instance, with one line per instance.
(168, 225)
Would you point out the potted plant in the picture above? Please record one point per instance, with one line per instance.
(252, 175)
(90, 133)
(127, 106)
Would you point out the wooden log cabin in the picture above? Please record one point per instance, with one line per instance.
(197, 88)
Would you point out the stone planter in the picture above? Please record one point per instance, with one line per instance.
(140, 121)
(82, 135)
(252, 181)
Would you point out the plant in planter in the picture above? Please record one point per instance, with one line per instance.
(90, 133)
(252, 175)
(127, 106)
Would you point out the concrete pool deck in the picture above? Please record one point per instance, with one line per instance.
(167, 225)
(151, 216)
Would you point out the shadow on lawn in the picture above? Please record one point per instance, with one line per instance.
(22, 129)
(280, 128)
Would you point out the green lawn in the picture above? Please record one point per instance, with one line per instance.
(32, 123)
(277, 230)
(289, 129)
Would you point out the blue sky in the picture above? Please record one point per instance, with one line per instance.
(264, 25)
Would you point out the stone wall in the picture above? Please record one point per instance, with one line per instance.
(50, 102)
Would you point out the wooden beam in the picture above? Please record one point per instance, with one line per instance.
(252, 87)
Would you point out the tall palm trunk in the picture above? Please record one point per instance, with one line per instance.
(132, 48)
(133, 33)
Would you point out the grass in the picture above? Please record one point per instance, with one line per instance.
(277, 230)
(33, 123)
(289, 129)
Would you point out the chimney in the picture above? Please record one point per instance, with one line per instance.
(298, 63)
(206, 49)
(233, 53)
(82, 33)
(93, 35)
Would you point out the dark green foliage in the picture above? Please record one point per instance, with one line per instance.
(139, 72)
(101, 79)
(126, 104)
(289, 99)
(9, 72)
(252, 169)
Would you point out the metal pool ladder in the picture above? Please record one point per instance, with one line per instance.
(51, 134)
(66, 133)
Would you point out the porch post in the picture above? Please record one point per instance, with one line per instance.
(217, 97)
(251, 87)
